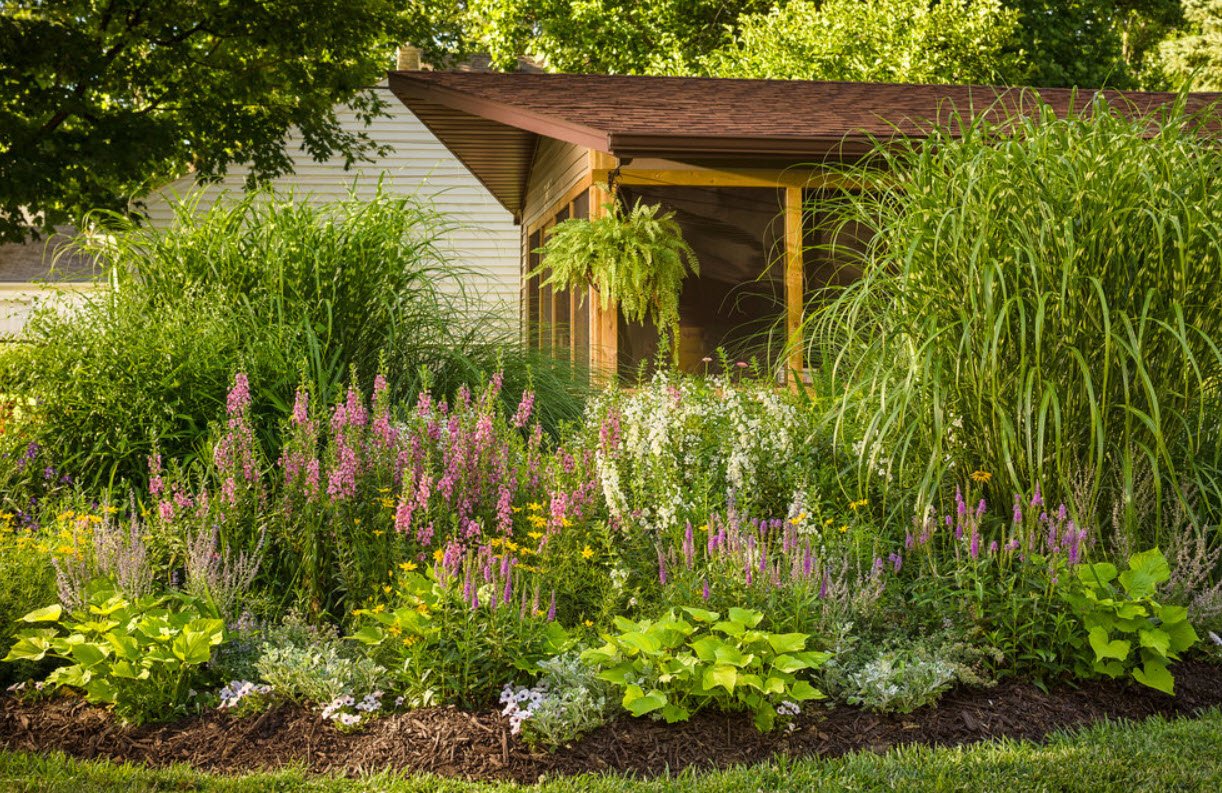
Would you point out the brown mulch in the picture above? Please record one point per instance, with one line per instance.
(451, 742)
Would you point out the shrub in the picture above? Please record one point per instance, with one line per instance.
(142, 657)
(276, 287)
(1148, 635)
(1042, 314)
(452, 637)
(566, 702)
(313, 665)
(672, 668)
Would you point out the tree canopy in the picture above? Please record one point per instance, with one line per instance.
(1196, 52)
(101, 100)
(884, 40)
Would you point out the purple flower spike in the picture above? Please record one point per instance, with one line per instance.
(705, 593)
(551, 609)
(974, 547)
(1037, 498)
(661, 567)
(1018, 509)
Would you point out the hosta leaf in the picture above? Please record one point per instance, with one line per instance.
(788, 664)
(729, 654)
(29, 648)
(706, 647)
(639, 703)
(702, 615)
(88, 654)
(641, 642)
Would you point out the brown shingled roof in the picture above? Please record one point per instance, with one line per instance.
(701, 118)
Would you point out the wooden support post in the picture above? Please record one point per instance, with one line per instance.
(794, 280)
(604, 325)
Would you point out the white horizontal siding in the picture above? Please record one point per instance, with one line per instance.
(484, 239)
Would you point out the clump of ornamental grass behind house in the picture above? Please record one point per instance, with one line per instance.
(284, 289)
(1038, 300)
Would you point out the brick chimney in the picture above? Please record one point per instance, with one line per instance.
(408, 59)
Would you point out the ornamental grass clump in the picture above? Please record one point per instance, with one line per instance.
(1039, 298)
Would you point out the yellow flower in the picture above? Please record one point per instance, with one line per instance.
(534, 506)
(566, 523)
(515, 510)
(388, 503)
(535, 535)
(65, 549)
(378, 532)
(856, 505)
(828, 522)
(383, 490)
(394, 630)
(407, 567)
(843, 529)
(587, 553)
(705, 528)
(588, 624)
(438, 555)
(798, 518)
(387, 588)
(408, 641)
(981, 477)
(423, 608)
(378, 609)
(356, 521)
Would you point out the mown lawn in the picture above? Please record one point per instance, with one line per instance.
(1156, 755)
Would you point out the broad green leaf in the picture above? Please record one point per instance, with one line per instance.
(1146, 570)
(1118, 648)
(1181, 635)
(45, 614)
(675, 713)
(101, 690)
(88, 654)
(618, 674)
(29, 648)
(774, 685)
(765, 717)
(702, 615)
(1157, 640)
(639, 703)
(729, 654)
(745, 617)
(787, 642)
(788, 664)
(734, 629)
(801, 691)
(1155, 675)
(194, 645)
(722, 675)
(641, 642)
(1172, 614)
(370, 634)
(706, 647)
(1097, 573)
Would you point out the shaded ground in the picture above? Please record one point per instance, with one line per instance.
(451, 742)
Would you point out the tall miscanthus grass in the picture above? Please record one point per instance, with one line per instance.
(1041, 300)
(283, 289)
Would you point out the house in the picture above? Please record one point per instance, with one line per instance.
(733, 159)
(483, 239)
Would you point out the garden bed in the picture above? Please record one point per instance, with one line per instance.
(451, 742)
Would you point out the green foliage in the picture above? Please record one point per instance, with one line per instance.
(280, 289)
(637, 259)
(1127, 630)
(141, 657)
(26, 580)
(1063, 341)
(442, 650)
(1195, 54)
(314, 665)
(905, 41)
(672, 668)
(103, 101)
(565, 703)
(604, 36)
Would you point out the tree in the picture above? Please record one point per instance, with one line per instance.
(876, 40)
(605, 36)
(1196, 55)
(101, 100)
(1090, 43)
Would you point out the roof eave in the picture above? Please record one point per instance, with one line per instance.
(626, 146)
(406, 85)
